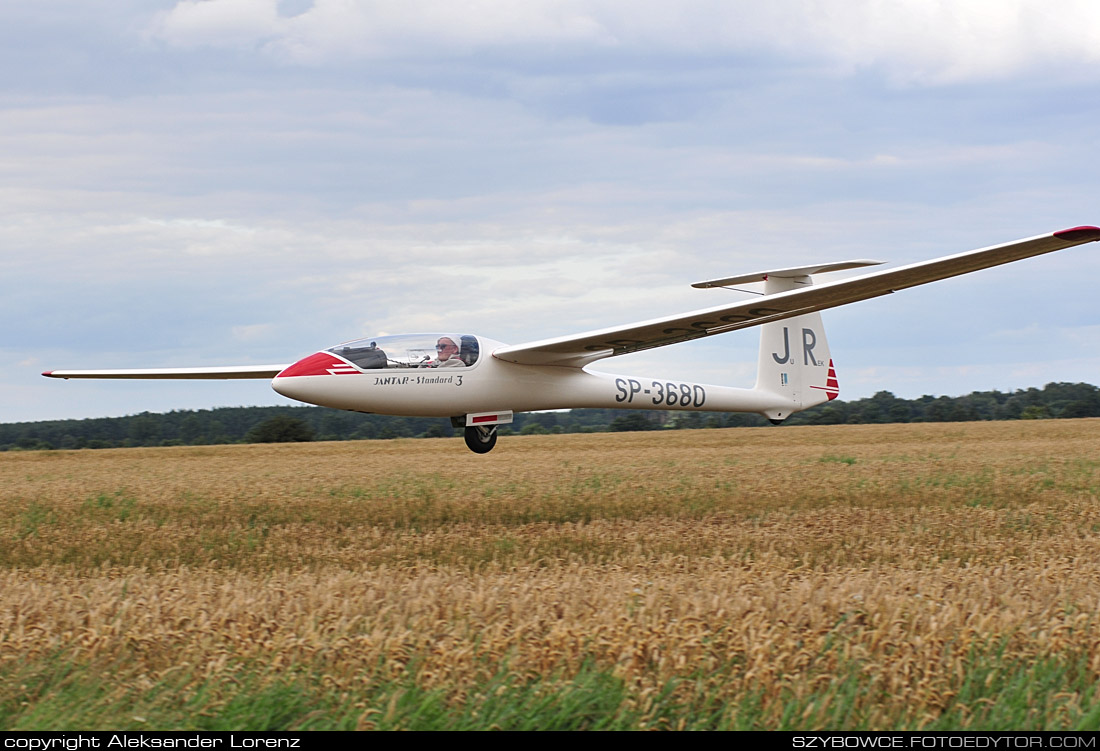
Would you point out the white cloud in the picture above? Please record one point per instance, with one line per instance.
(220, 23)
(911, 41)
(351, 29)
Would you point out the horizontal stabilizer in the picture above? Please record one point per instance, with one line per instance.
(762, 276)
(215, 373)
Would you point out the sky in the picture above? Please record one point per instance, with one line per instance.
(231, 182)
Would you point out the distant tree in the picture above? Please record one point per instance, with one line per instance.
(435, 431)
(1080, 408)
(144, 429)
(335, 424)
(871, 411)
(688, 420)
(900, 412)
(546, 419)
(280, 429)
(632, 421)
(34, 444)
(827, 416)
(742, 420)
(190, 428)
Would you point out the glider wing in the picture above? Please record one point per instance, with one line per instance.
(580, 349)
(229, 372)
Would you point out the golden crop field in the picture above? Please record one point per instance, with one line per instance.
(870, 576)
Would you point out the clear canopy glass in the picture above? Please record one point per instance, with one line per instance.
(411, 351)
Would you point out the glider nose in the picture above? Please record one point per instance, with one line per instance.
(317, 364)
(292, 388)
(299, 381)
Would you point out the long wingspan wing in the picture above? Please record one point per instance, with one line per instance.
(579, 349)
(232, 371)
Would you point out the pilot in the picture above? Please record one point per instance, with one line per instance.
(446, 354)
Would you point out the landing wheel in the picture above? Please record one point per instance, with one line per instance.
(481, 440)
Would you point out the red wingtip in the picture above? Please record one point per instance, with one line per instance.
(1079, 234)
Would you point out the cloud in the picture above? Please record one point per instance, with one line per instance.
(333, 30)
(912, 42)
(220, 23)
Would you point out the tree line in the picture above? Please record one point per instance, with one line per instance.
(275, 424)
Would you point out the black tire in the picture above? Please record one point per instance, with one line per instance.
(481, 440)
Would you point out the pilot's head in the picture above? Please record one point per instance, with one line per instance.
(445, 348)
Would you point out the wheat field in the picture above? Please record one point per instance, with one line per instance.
(863, 576)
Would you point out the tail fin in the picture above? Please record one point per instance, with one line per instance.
(794, 362)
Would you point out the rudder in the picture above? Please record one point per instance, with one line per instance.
(794, 362)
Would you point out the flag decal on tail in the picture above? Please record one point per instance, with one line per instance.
(831, 387)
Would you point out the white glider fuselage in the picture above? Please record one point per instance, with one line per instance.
(492, 384)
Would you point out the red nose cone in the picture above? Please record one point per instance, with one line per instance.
(321, 363)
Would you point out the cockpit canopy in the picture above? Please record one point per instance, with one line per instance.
(411, 351)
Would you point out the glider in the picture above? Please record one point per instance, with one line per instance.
(480, 383)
